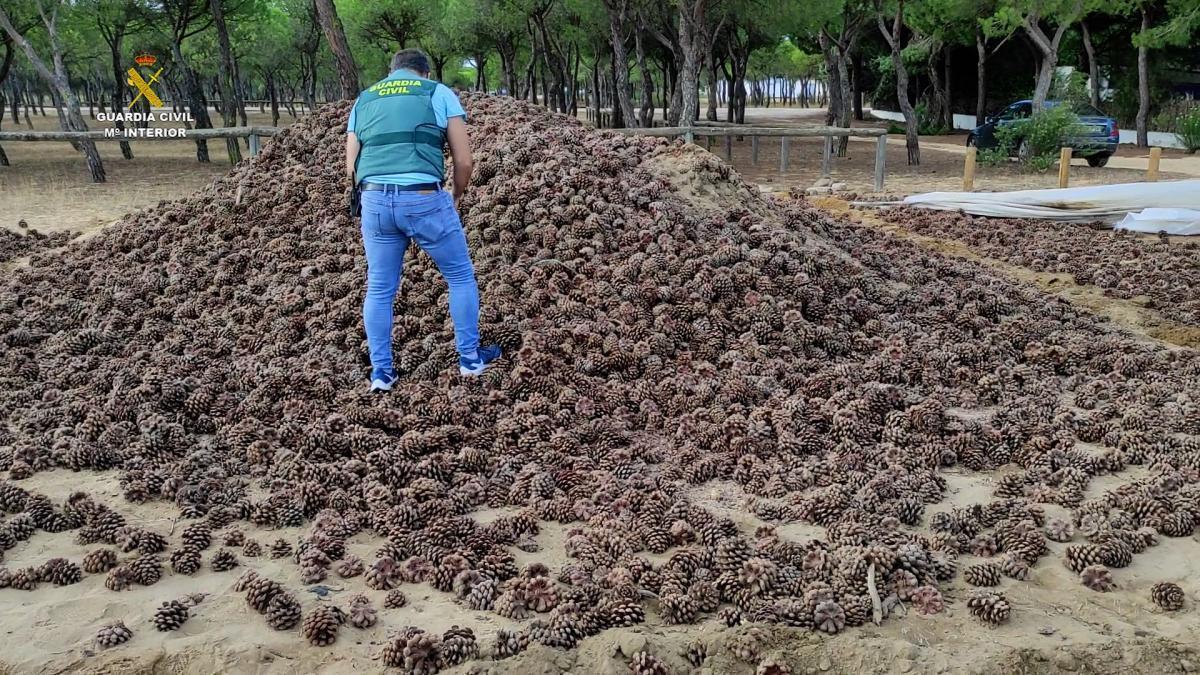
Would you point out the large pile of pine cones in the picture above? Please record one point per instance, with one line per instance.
(652, 343)
(24, 241)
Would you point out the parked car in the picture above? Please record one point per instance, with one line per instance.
(1096, 140)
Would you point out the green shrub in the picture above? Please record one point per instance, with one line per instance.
(1188, 131)
(1043, 134)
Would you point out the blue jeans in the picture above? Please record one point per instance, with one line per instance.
(389, 221)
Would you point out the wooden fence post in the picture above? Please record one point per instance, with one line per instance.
(827, 157)
(1064, 167)
(1152, 169)
(969, 169)
(689, 137)
(880, 161)
(729, 148)
(783, 154)
(253, 145)
(754, 150)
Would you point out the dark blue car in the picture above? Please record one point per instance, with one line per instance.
(1095, 141)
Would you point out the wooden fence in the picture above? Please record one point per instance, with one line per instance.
(252, 134)
(689, 134)
(784, 134)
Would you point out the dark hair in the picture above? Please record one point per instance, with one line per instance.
(411, 59)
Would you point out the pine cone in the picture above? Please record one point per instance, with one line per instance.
(170, 615)
(990, 607)
(113, 634)
(1167, 595)
(251, 549)
(618, 612)
(146, 570)
(61, 572)
(280, 549)
(678, 609)
(458, 646)
(197, 536)
(244, 580)
(730, 616)
(1014, 567)
(119, 579)
(927, 600)
(260, 592)
(511, 604)
(645, 663)
(482, 595)
(224, 560)
(384, 574)
(509, 643)
(1097, 578)
(350, 567)
(185, 560)
(1059, 530)
(234, 538)
(321, 625)
(793, 612)
(983, 574)
(363, 615)
(395, 599)
(1080, 556)
(99, 561)
(697, 653)
(829, 617)
(283, 611)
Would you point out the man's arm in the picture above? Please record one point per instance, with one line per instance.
(460, 151)
(352, 148)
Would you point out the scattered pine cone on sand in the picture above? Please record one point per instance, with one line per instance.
(283, 611)
(99, 561)
(170, 615)
(1167, 595)
(113, 634)
(990, 607)
(983, 574)
(224, 560)
(321, 625)
(1097, 578)
(458, 646)
(362, 614)
(395, 599)
(927, 600)
(645, 663)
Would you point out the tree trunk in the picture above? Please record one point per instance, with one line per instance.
(893, 39)
(1048, 49)
(195, 100)
(1093, 66)
(647, 112)
(60, 81)
(833, 86)
(710, 68)
(691, 43)
(118, 98)
(230, 100)
(857, 87)
(1143, 66)
(617, 13)
(980, 76)
(331, 25)
(595, 102)
(948, 75)
(271, 91)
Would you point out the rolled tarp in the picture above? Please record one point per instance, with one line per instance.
(1109, 203)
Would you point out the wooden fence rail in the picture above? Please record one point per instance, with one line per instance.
(784, 134)
(254, 134)
(689, 134)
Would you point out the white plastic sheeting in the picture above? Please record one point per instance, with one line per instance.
(1102, 202)
(1171, 221)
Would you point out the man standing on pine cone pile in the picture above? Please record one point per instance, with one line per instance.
(395, 136)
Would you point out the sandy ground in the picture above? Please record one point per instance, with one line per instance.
(1056, 627)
